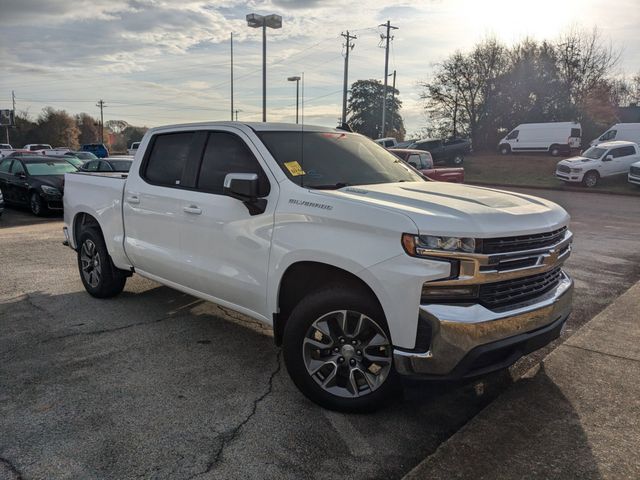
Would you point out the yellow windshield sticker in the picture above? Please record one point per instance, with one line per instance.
(294, 168)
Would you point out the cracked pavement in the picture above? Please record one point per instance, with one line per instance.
(158, 384)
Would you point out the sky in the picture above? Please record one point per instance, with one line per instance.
(158, 62)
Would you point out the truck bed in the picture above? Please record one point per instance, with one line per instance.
(98, 194)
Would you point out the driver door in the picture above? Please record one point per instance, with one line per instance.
(18, 185)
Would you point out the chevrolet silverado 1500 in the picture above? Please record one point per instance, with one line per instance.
(365, 270)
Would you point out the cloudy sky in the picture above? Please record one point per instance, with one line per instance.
(156, 62)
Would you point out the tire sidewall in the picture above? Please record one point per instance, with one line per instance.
(303, 315)
(591, 174)
(38, 199)
(111, 282)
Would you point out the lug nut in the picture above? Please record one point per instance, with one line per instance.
(336, 349)
(358, 352)
(353, 342)
(341, 360)
(342, 340)
(352, 362)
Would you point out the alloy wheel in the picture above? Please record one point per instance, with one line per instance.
(347, 353)
(91, 265)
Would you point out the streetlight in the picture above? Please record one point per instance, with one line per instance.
(297, 80)
(256, 21)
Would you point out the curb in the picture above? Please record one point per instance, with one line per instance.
(565, 189)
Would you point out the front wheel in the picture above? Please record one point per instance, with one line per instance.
(100, 277)
(590, 179)
(338, 351)
(37, 205)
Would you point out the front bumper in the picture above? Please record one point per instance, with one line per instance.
(633, 179)
(471, 340)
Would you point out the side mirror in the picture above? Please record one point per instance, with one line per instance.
(20, 175)
(608, 158)
(243, 186)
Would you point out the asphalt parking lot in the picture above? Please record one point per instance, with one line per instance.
(158, 384)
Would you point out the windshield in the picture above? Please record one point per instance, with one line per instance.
(335, 159)
(594, 153)
(49, 168)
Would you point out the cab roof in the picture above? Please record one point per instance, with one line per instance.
(256, 126)
(615, 143)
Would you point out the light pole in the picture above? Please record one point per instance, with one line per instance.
(263, 21)
(297, 80)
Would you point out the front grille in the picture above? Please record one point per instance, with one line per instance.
(522, 242)
(635, 171)
(563, 169)
(511, 292)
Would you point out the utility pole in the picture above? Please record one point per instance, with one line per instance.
(386, 37)
(393, 97)
(348, 47)
(236, 111)
(101, 105)
(232, 78)
(13, 101)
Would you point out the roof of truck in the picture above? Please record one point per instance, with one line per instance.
(257, 126)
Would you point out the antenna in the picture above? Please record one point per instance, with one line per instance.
(302, 136)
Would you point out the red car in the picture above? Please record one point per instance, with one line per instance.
(422, 161)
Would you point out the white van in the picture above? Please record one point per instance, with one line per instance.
(604, 160)
(620, 131)
(553, 137)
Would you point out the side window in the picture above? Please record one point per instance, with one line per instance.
(624, 151)
(17, 167)
(513, 135)
(414, 160)
(575, 133)
(168, 158)
(226, 153)
(105, 167)
(4, 166)
(426, 161)
(610, 135)
(91, 166)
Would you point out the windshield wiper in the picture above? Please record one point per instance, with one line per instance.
(333, 186)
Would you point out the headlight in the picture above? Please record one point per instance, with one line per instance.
(50, 190)
(576, 170)
(419, 245)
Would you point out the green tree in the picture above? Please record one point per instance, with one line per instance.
(365, 110)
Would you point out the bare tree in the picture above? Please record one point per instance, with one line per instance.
(584, 61)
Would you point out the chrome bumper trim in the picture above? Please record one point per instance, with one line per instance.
(458, 329)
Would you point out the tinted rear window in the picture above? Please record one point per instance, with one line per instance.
(575, 132)
(168, 158)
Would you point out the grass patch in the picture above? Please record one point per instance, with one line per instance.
(532, 170)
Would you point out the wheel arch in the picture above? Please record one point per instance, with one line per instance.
(83, 219)
(305, 276)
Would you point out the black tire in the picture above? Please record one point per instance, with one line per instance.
(319, 305)
(505, 149)
(555, 150)
(37, 205)
(107, 280)
(590, 179)
(457, 160)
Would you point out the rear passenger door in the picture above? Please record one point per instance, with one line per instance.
(623, 157)
(226, 247)
(153, 198)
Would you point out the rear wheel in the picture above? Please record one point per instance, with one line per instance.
(100, 277)
(555, 150)
(458, 159)
(37, 205)
(337, 350)
(590, 179)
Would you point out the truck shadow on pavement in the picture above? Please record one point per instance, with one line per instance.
(156, 383)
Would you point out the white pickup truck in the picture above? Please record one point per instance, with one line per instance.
(366, 270)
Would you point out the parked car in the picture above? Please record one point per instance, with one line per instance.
(365, 270)
(34, 147)
(1, 203)
(449, 151)
(557, 138)
(133, 148)
(604, 160)
(113, 164)
(387, 142)
(422, 161)
(84, 156)
(21, 153)
(34, 181)
(620, 131)
(5, 149)
(98, 149)
(634, 173)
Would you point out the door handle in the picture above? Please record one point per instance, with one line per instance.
(133, 199)
(192, 209)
